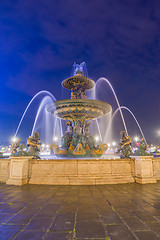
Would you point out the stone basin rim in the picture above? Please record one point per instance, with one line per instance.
(68, 83)
(85, 103)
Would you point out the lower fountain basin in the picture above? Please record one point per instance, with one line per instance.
(86, 109)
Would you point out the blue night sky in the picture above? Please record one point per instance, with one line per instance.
(118, 39)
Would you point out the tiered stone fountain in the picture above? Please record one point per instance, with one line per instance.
(78, 160)
(78, 111)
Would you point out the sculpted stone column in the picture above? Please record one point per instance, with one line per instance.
(18, 173)
(144, 169)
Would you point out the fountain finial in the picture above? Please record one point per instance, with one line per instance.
(79, 70)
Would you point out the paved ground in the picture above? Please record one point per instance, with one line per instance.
(124, 211)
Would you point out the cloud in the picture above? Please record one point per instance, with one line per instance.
(115, 38)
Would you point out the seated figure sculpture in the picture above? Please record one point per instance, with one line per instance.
(67, 138)
(78, 136)
(88, 137)
(14, 147)
(21, 151)
(125, 145)
(33, 142)
(142, 149)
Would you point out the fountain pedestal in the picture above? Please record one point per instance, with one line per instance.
(18, 174)
(144, 169)
(26, 170)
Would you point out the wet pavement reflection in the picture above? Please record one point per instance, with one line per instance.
(106, 212)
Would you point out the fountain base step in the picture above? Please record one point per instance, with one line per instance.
(85, 171)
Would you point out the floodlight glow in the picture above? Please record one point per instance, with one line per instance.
(113, 143)
(14, 139)
(136, 139)
(55, 138)
(97, 138)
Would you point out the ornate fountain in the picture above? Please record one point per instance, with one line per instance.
(77, 142)
(78, 111)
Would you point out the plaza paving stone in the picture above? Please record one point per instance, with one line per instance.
(104, 212)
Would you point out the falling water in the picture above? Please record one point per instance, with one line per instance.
(106, 80)
(61, 128)
(41, 108)
(57, 131)
(44, 121)
(100, 135)
(55, 125)
(91, 93)
(108, 136)
(123, 107)
(39, 93)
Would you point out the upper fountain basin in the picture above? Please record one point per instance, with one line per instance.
(70, 83)
(72, 109)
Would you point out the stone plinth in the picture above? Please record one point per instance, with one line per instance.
(18, 174)
(156, 168)
(4, 169)
(144, 169)
(81, 171)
